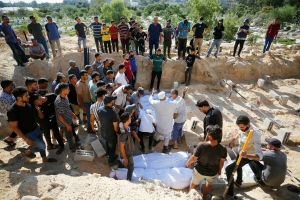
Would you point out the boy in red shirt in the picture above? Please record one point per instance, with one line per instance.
(113, 30)
(128, 72)
(271, 34)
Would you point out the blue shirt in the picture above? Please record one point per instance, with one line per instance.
(7, 30)
(133, 64)
(96, 29)
(154, 31)
(183, 26)
(52, 31)
(74, 71)
(53, 86)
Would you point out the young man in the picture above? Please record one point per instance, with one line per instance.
(124, 35)
(140, 37)
(55, 82)
(128, 70)
(135, 99)
(168, 34)
(114, 35)
(31, 85)
(190, 60)
(36, 30)
(107, 65)
(43, 86)
(93, 86)
(96, 27)
(132, 32)
(133, 65)
(126, 144)
(61, 80)
(83, 96)
(106, 38)
(183, 29)
(121, 79)
(121, 94)
(254, 147)
(218, 34)
(109, 78)
(80, 29)
(213, 116)
(210, 157)
(154, 35)
(21, 119)
(37, 50)
(95, 107)
(158, 61)
(200, 29)
(53, 36)
(271, 34)
(73, 69)
(147, 127)
(11, 40)
(241, 37)
(89, 70)
(72, 96)
(131, 109)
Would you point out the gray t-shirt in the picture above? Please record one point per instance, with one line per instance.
(37, 49)
(275, 167)
(168, 32)
(134, 99)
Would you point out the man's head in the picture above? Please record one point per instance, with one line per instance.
(203, 105)
(141, 29)
(112, 22)
(43, 83)
(273, 144)
(5, 19)
(72, 63)
(162, 96)
(49, 19)
(95, 76)
(185, 21)
(125, 118)
(89, 69)
(109, 100)
(214, 132)
(243, 123)
(155, 20)
(276, 20)
(110, 74)
(130, 109)
(136, 25)
(100, 92)
(192, 51)
(83, 75)
(77, 19)
(60, 78)
(220, 23)
(106, 63)
(140, 91)
(174, 93)
(201, 19)
(158, 52)
(7, 86)
(21, 94)
(127, 88)
(246, 21)
(122, 19)
(36, 99)
(63, 89)
(98, 57)
(73, 79)
(32, 19)
(31, 84)
(125, 56)
(34, 42)
(96, 19)
(131, 53)
(104, 26)
(122, 68)
(168, 22)
(101, 84)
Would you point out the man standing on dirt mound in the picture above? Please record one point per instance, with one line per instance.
(154, 35)
(241, 37)
(271, 34)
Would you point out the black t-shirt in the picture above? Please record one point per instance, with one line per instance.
(72, 96)
(107, 117)
(190, 59)
(140, 37)
(209, 158)
(80, 29)
(48, 107)
(109, 68)
(218, 32)
(24, 116)
(213, 117)
(199, 29)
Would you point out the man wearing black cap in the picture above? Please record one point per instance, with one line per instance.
(241, 36)
(168, 34)
(124, 35)
(96, 27)
(218, 33)
(199, 34)
(273, 171)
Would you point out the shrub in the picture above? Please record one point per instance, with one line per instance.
(286, 41)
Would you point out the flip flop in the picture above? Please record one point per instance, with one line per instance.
(31, 156)
(172, 146)
(293, 188)
(51, 160)
(10, 143)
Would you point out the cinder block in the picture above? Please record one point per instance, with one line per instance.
(268, 124)
(233, 94)
(283, 99)
(267, 79)
(98, 148)
(84, 155)
(260, 82)
(193, 123)
(90, 138)
(88, 147)
(175, 84)
(274, 94)
(284, 135)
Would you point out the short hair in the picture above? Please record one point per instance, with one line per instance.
(5, 83)
(158, 49)
(202, 102)
(76, 17)
(62, 86)
(121, 66)
(131, 51)
(109, 72)
(124, 55)
(97, 54)
(95, 74)
(100, 92)
(48, 16)
(42, 80)
(173, 91)
(19, 91)
(242, 120)
(95, 17)
(87, 67)
(29, 81)
(31, 16)
(111, 21)
(108, 86)
(192, 49)
(71, 76)
(124, 117)
(3, 16)
(128, 87)
(104, 24)
(59, 77)
(100, 83)
(82, 72)
(105, 61)
(215, 131)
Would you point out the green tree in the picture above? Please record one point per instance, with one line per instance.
(70, 10)
(34, 4)
(114, 10)
(286, 13)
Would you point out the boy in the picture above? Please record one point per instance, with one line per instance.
(106, 38)
(133, 66)
(141, 36)
(113, 31)
(128, 72)
(190, 60)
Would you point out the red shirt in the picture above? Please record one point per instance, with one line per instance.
(128, 71)
(113, 32)
(273, 29)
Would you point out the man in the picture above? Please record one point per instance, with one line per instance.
(254, 147)
(84, 97)
(200, 29)
(114, 35)
(43, 86)
(89, 70)
(273, 171)
(109, 127)
(72, 96)
(97, 63)
(147, 127)
(128, 70)
(36, 30)
(132, 32)
(164, 111)
(158, 62)
(218, 34)
(61, 80)
(93, 86)
(121, 94)
(64, 114)
(241, 37)
(73, 69)
(31, 85)
(131, 109)
(179, 117)
(271, 34)
(21, 120)
(80, 29)
(95, 107)
(121, 79)
(126, 144)
(135, 99)
(168, 34)
(101, 84)
(133, 36)
(102, 67)
(37, 50)
(140, 40)
(55, 82)
(213, 116)
(109, 78)
(154, 35)
(96, 27)
(53, 36)
(11, 40)
(107, 65)
(210, 157)
(183, 29)
(190, 60)
(124, 35)
(133, 65)
(23, 47)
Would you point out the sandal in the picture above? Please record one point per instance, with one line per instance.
(50, 160)
(31, 155)
(293, 188)
(10, 143)
(172, 146)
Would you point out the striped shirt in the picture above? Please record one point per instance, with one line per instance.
(96, 29)
(94, 110)
(123, 28)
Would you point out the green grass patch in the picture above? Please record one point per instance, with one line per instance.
(70, 33)
(286, 41)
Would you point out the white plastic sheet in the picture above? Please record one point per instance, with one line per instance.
(121, 174)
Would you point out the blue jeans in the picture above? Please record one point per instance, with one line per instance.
(39, 144)
(14, 47)
(217, 43)
(268, 42)
(132, 45)
(88, 105)
(151, 43)
(83, 42)
(177, 130)
(43, 41)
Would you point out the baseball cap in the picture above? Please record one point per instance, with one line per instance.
(108, 98)
(275, 142)
(130, 108)
(141, 90)
(168, 21)
(246, 20)
(161, 95)
(221, 21)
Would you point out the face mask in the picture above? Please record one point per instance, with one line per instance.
(200, 22)
(127, 59)
(131, 56)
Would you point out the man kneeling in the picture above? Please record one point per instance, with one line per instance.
(37, 50)
(210, 157)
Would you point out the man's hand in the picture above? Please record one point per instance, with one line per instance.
(69, 128)
(188, 165)
(141, 106)
(185, 90)
(36, 106)
(29, 142)
(7, 36)
(125, 161)
(243, 154)
(232, 144)
(74, 116)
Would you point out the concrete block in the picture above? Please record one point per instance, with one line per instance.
(193, 123)
(90, 138)
(260, 82)
(284, 135)
(297, 108)
(98, 148)
(267, 78)
(84, 155)
(88, 147)
(283, 99)
(233, 94)
(274, 94)
(268, 124)
(175, 85)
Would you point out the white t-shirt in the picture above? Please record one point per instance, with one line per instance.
(121, 97)
(180, 110)
(120, 78)
(146, 125)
